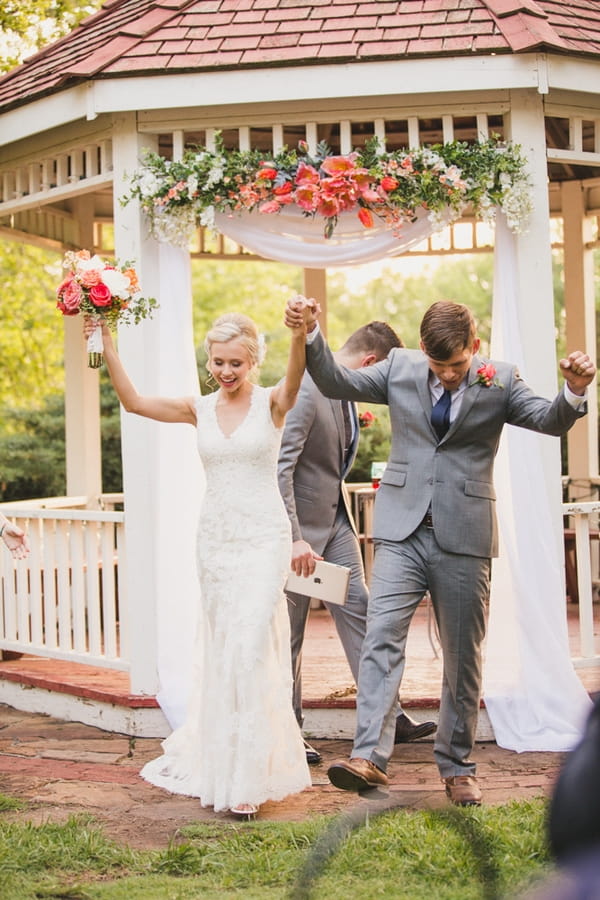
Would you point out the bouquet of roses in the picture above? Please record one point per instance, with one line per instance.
(107, 292)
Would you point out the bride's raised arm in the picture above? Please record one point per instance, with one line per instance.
(284, 394)
(163, 409)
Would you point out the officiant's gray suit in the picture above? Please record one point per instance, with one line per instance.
(434, 528)
(311, 469)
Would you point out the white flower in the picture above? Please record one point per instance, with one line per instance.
(117, 283)
(214, 176)
(149, 184)
(207, 218)
(175, 226)
(87, 265)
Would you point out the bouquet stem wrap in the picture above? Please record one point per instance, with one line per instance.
(95, 345)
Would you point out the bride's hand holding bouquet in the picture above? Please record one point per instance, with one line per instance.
(105, 293)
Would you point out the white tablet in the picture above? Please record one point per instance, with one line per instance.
(328, 582)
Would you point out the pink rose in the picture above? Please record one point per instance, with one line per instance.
(100, 295)
(70, 294)
(90, 277)
(66, 312)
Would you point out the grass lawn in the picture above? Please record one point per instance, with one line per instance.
(450, 854)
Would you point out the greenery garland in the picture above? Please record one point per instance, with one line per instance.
(178, 196)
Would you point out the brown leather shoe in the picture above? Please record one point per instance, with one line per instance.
(463, 790)
(408, 730)
(356, 775)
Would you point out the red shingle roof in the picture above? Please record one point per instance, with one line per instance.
(133, 37)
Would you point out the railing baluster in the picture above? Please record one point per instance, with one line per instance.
(77, 592)
(109, 611)
(92, 590)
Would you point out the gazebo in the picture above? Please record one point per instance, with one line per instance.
(168, 75)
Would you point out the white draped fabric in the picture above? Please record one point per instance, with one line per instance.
(180, 485)
(291, 237)
(533, 696)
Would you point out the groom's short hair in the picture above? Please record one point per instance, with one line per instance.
(446, 329)
(374, 337)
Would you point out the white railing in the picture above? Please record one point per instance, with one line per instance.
(67, 599)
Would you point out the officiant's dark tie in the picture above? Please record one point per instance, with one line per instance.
(440, 414)
(347, 425)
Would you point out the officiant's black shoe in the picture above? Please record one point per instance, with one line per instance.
(356, 775)
(408, 730)
(313, 757)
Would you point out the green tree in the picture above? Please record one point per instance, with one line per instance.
(28, 25)
(31, 330)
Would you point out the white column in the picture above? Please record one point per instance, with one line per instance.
(82, 392)
(161, 471)
(580, 309)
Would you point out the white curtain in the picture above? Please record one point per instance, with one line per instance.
(533, 696)
(180, 485)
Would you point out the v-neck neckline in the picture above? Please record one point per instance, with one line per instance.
(240, 423)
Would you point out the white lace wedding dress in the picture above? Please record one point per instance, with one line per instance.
(240, 742)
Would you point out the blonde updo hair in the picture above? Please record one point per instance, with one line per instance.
(236, 326)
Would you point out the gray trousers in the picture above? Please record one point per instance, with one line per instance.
(459, 586)
(343, 549)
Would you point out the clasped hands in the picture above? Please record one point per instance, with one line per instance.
(302, 312)
(578, 371)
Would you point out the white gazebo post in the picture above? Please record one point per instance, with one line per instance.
(82, 390)
(581, 326)
(161, 472)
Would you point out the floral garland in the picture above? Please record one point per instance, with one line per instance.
(179, 196)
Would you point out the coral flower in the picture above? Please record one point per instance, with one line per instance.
(270, 206)
(307, 196)
(306, 174)
(339, 165)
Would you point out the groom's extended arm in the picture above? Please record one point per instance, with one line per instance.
(368, 384)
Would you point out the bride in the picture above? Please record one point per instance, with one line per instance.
(240, 744)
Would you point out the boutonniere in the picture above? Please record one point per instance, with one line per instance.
(366, 419)
(486, 375)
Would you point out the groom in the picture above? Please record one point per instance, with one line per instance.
(435, 523)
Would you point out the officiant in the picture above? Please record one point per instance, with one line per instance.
(318, 447)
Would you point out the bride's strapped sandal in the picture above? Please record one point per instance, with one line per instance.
(245, 811)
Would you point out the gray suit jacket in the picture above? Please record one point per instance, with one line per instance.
(311, 465)
(455, 476)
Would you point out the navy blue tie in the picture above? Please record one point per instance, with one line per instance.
(440, 414)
